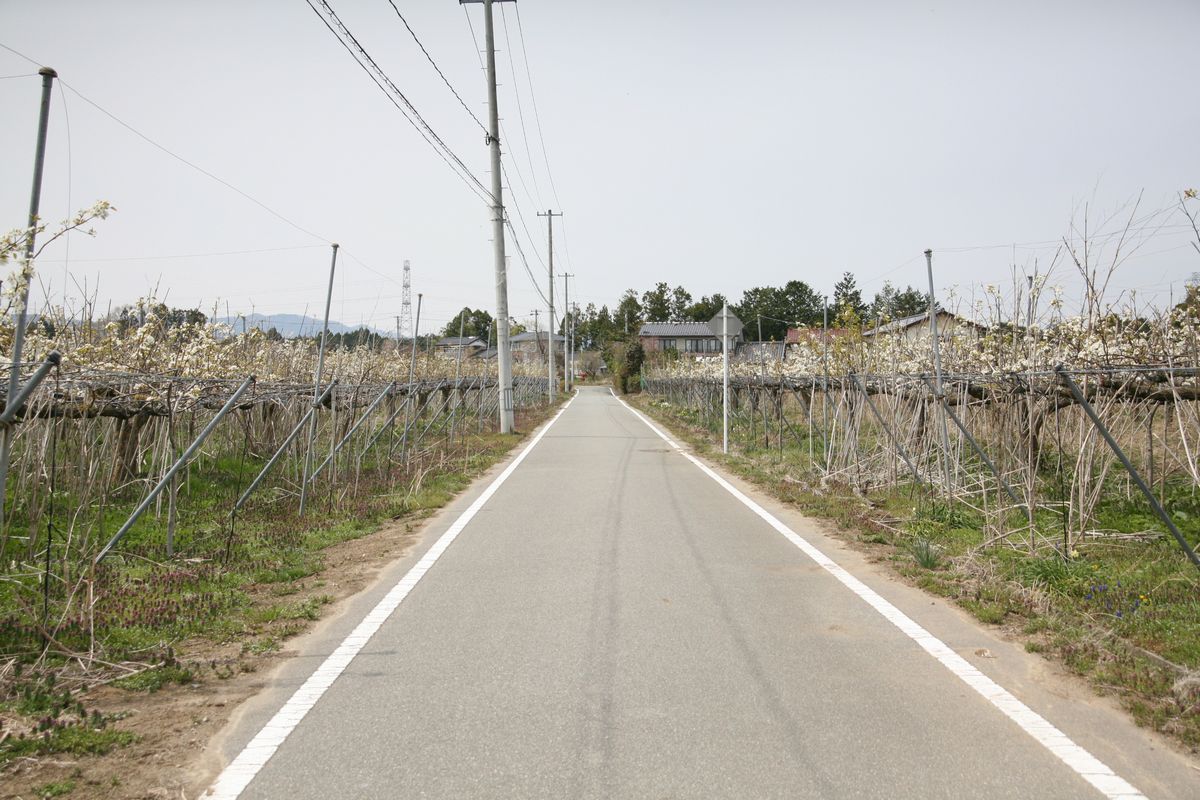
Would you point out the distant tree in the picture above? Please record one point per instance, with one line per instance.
(475, 322)
(847, 295)
(656, 303)
(704, 309)
(681, 301)
(891, 303)
(352, 340)
(273, 334)
(801, 303)
(629, 314)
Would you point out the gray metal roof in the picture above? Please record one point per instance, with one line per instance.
(457, 341)
(691, 329)
(915, 319)
(530, 336)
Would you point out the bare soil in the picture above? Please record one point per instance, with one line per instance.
(175, 723)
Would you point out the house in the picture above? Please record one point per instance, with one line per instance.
(762, 351)
(531, 346)
(468, 345)
(691, 338)
(917, 326)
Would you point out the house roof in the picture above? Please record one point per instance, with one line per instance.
(530, 336)
(459, 341)
(675, 329)
(916, 319)
(753, 350)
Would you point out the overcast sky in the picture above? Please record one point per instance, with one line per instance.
(714, 144)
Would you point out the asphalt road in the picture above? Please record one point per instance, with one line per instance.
(613, 623)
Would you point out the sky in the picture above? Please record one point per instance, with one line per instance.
(719, 146)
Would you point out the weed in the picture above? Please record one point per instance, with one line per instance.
(76, 740)
(55, 789)
(926, 553)
(152, 680)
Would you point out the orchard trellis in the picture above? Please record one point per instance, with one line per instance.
(105, 446)
(1034, 449)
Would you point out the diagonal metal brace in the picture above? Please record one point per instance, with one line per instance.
(178, 465)
(14, 406)
(1065, 377)
(878, 418)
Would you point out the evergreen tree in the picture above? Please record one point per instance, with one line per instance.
(475, 322)
(656, 303)
(847, 295)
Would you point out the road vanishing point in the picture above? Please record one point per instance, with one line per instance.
(606, 616)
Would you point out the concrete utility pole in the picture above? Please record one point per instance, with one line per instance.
(550, 215)
(503, 348)
(568, 373)
(35, 199)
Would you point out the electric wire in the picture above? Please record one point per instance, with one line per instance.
(381, 79)
(191, 164)
(22, 55)
(193, 255)
(541, 137)
(433, 63)
(512, 66)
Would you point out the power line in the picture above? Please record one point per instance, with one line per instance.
(525, 262)
(360, 55)
(183, 160)
(22, 55)
(538, 120)
(190, 255)
(512, 66)
(433, 63)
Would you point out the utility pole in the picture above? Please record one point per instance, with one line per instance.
(550, 215)
(568, 376)
(35, 200)
(503, 348)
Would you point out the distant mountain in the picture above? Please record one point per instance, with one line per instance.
(289, 325)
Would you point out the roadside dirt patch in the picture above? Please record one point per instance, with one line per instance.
(175, 722)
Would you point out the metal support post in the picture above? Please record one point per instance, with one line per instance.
(975, 445)
(1065, 377)
(457, 379)
(35, 199)
(353, 428)
(937, 372)
(725, 378)
(312, 425)
(291, 437)
(230, 404)
(887, 429)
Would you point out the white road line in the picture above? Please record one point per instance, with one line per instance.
(234, 779)
(1081, 761)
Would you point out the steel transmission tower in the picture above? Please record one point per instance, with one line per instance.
(404, 321)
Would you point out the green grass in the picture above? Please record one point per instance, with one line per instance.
(55, 789)
(76, 740)
(152, 680)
